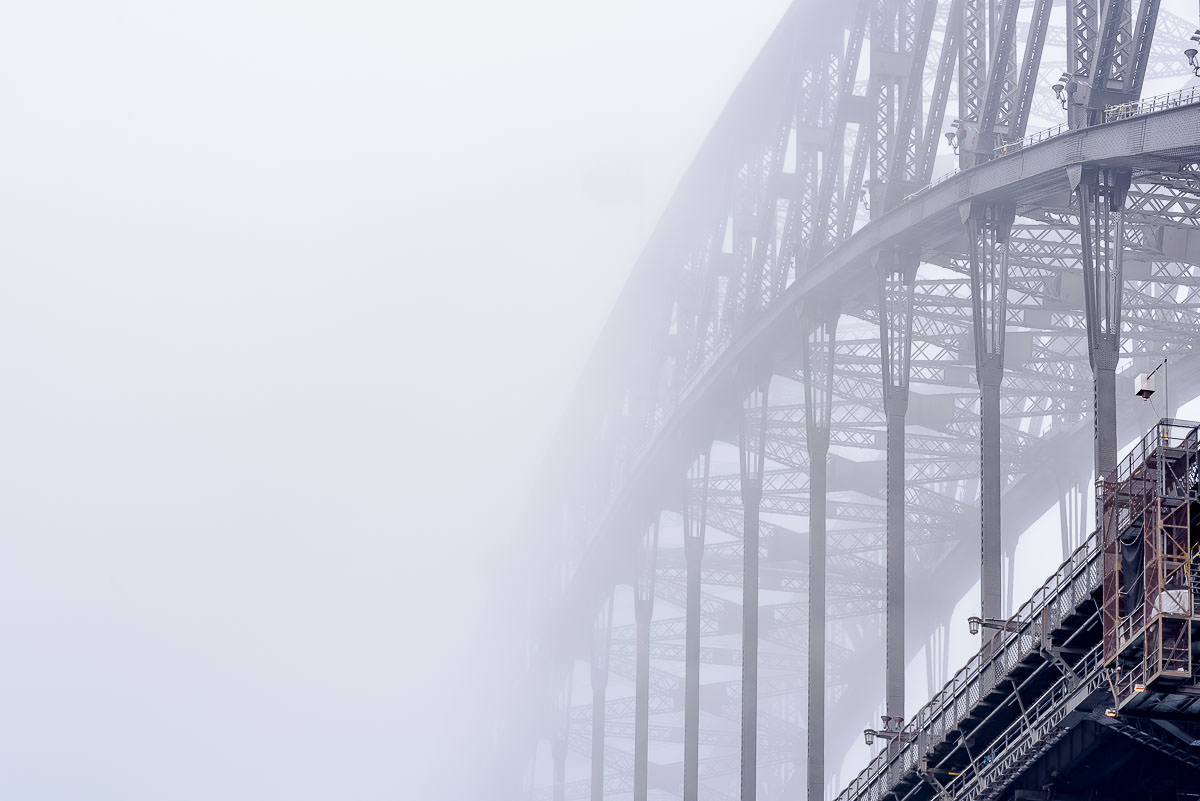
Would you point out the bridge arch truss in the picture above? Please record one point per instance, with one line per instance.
(889, 301)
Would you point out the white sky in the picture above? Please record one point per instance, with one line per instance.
(292, 296)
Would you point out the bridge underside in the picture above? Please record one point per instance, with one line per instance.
(1093, 762)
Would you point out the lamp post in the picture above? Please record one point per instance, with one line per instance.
(975, 623)
(892, 730)
(952, 140)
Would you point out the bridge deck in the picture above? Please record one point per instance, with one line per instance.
(1031, 686)
(1008, 704)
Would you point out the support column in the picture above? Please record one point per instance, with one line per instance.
(643, 610)
(894, 637)
(559, 753)
(529, 783)
(897, 275)
(558, 744)
(818, 394)
(751, 440)
(988, 227)
(1101, 194)
(1072, 514)
(695, 520)
(937, 659)
(601, 639)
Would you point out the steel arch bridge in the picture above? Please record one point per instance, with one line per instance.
(830, 372)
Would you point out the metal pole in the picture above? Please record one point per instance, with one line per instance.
(691, 689)
(818, 454)
(643, 610)
(988, 227)
(751, 495)
(990, 479)
(818, 402)
(897, 277)
(530, 787)
(558, 743)
(1101, 194)
(1166, 391)
(598, 700)
(600, 647)
(894, 662)
(641, 702)
(559, 749)
(751, 444)
(694, 529)
(1105, 403)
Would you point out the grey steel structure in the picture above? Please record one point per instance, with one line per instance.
(830, 372)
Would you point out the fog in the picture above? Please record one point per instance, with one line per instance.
(293, 295)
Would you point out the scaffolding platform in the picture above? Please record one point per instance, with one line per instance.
(1099, 657)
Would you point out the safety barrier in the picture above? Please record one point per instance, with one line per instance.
(1149, 105)
(1063, 593)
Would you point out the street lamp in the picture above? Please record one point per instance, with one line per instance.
(892, 724)
(975, 623)
(952, 140)
(1063, 89)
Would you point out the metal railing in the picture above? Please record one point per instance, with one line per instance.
(1070, 586)
(1030, 734)
(1168, 433)
(944, 177)
(1149, 105)
(1120, 111)
(1030, 140)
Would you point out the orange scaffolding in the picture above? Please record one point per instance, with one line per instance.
(1150, 539)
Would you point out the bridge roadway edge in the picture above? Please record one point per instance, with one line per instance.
(1013, 657)
(1009, 739)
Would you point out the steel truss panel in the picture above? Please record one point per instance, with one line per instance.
(768, 227)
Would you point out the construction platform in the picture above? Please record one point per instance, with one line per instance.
(1091, 690)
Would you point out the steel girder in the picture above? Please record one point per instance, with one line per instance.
(780, 230)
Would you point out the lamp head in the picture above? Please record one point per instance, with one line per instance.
(1060, 91)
